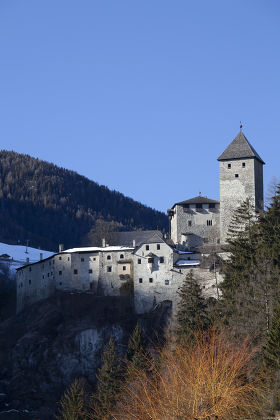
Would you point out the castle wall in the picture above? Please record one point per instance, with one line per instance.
(235, 190)
(152, 282)
(111, 271)
(193, 226)
(35, 282)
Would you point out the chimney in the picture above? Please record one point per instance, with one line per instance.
(27, 260)
(41, 256)
(103, 242)
(134, 243)
(60, 247)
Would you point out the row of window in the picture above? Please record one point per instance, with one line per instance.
(151, 280)
(208, 222)
(243, 165)
(199, 206)
(148, 247)
(151, 260)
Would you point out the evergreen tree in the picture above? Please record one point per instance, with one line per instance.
(242, 239)
(191, 314)
(72, 404)
(271, 350)
(109, 382)
(137, 357)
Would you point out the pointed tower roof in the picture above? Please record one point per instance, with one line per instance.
(240, 148)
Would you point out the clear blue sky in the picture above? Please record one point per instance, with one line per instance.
(141, 96)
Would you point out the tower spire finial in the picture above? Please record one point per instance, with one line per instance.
(241, 126)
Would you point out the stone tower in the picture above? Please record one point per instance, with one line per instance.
(241, 177)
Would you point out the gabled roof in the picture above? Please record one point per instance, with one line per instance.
(198, 200)
(127, 238)
(240, 148)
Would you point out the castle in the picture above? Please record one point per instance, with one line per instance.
(157, 265)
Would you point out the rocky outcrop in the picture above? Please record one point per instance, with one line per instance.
(46, 346)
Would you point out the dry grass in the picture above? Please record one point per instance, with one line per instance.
(203, 381)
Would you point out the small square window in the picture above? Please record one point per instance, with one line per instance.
(68, 258)
(161, 259)
(140, 280)
(48, 274)
(60, 273)
(139, 260)
(243, 165)
(121, 256)
(82, 259)
(147, 247)
(189, 222)
(108, 257)
(150, 280)
(94, 259)
(124, 268)
(229, 166)
(75, 271)
(158, 246)
(166, 282)
(60, 283)
(109, 269)
(90, 271)
(59, 258)
(236, 175)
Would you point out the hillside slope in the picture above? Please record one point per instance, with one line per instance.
(47, 204)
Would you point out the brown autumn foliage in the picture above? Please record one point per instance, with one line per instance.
(205, 380)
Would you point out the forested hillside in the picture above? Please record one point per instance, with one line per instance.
(47, 204)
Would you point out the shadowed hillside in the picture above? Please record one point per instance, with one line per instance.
(47, 204)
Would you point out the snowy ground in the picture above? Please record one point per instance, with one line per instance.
(19, 253)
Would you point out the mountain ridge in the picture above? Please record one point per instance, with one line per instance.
(46, 204)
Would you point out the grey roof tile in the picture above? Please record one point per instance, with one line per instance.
(240, 148)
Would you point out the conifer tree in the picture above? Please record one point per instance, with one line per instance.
(191, 314)
(137, 357)
(108, 385)
(272, 347)
(72, 404)
(242, 239)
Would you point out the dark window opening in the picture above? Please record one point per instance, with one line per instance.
(124, 268)
(90, 271)
(30, 268)
(147, 247)
(189, 222)
(140, 280)
(211, 206)
(166, 282)
(236, 175)
(109, 269)
(229, 166)
(121, 256)
(75, 271)
(94, 259)
(59, 258)
(209, 222)
(29, 281)
(60, 273)
(243, 165)
(139, 260)
(60, 283)
(150, 260)
(108, 257)
(150, 280)
(82, 259)
(161, 259)
(158, 246)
